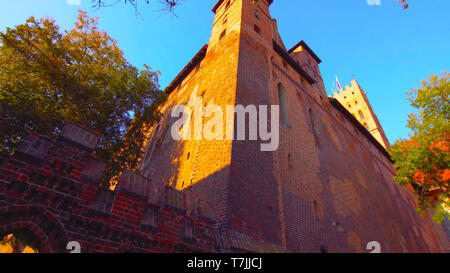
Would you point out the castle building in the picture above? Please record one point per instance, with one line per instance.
(328, 185)
(354, 99)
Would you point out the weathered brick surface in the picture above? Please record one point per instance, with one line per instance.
(50, 190)
(327, 187)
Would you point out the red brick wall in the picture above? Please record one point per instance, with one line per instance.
(52, 192)
(326, 186)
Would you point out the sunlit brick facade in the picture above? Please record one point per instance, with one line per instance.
(327, 188)
(328, 171)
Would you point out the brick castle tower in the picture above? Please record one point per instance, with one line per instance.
(328, 187)
(354, 99)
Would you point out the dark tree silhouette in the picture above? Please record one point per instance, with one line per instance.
(167, 5)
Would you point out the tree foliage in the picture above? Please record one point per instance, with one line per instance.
(423, 160)
(17, 243)
(48, 77)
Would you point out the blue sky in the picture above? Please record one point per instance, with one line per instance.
(388, 50)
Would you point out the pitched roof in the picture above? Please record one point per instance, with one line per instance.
(307, 48)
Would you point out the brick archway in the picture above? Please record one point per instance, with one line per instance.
(47, 232)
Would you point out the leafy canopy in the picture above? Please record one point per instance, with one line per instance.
(48, 77)
(423, 160)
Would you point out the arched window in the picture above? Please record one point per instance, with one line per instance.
(283, 105)
(361, 115)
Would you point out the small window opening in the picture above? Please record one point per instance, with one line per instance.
(312, 119)
(222, 34)
(316, 209)
(338, 227)
(283, 105)
(290, 162)
(323, 248)
(257, 29)
(257, 15)
(361, 115)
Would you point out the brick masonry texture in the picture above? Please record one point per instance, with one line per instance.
(50, 189)
(328, 187)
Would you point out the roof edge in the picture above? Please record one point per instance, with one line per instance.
(283, 53)
(307, 48)
(216, 7)
(359, 126)
(187, 69)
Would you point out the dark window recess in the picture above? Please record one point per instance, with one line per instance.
(223, 34)
(290, 162)
(284, 114)
(257, 29)
(314, 124)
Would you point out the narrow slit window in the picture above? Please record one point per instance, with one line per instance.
(313, 126)
(223, 34)
(257, 29)
(361, 115)
(283, 105)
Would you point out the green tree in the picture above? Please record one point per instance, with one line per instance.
(423, 160)
(48, 77)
